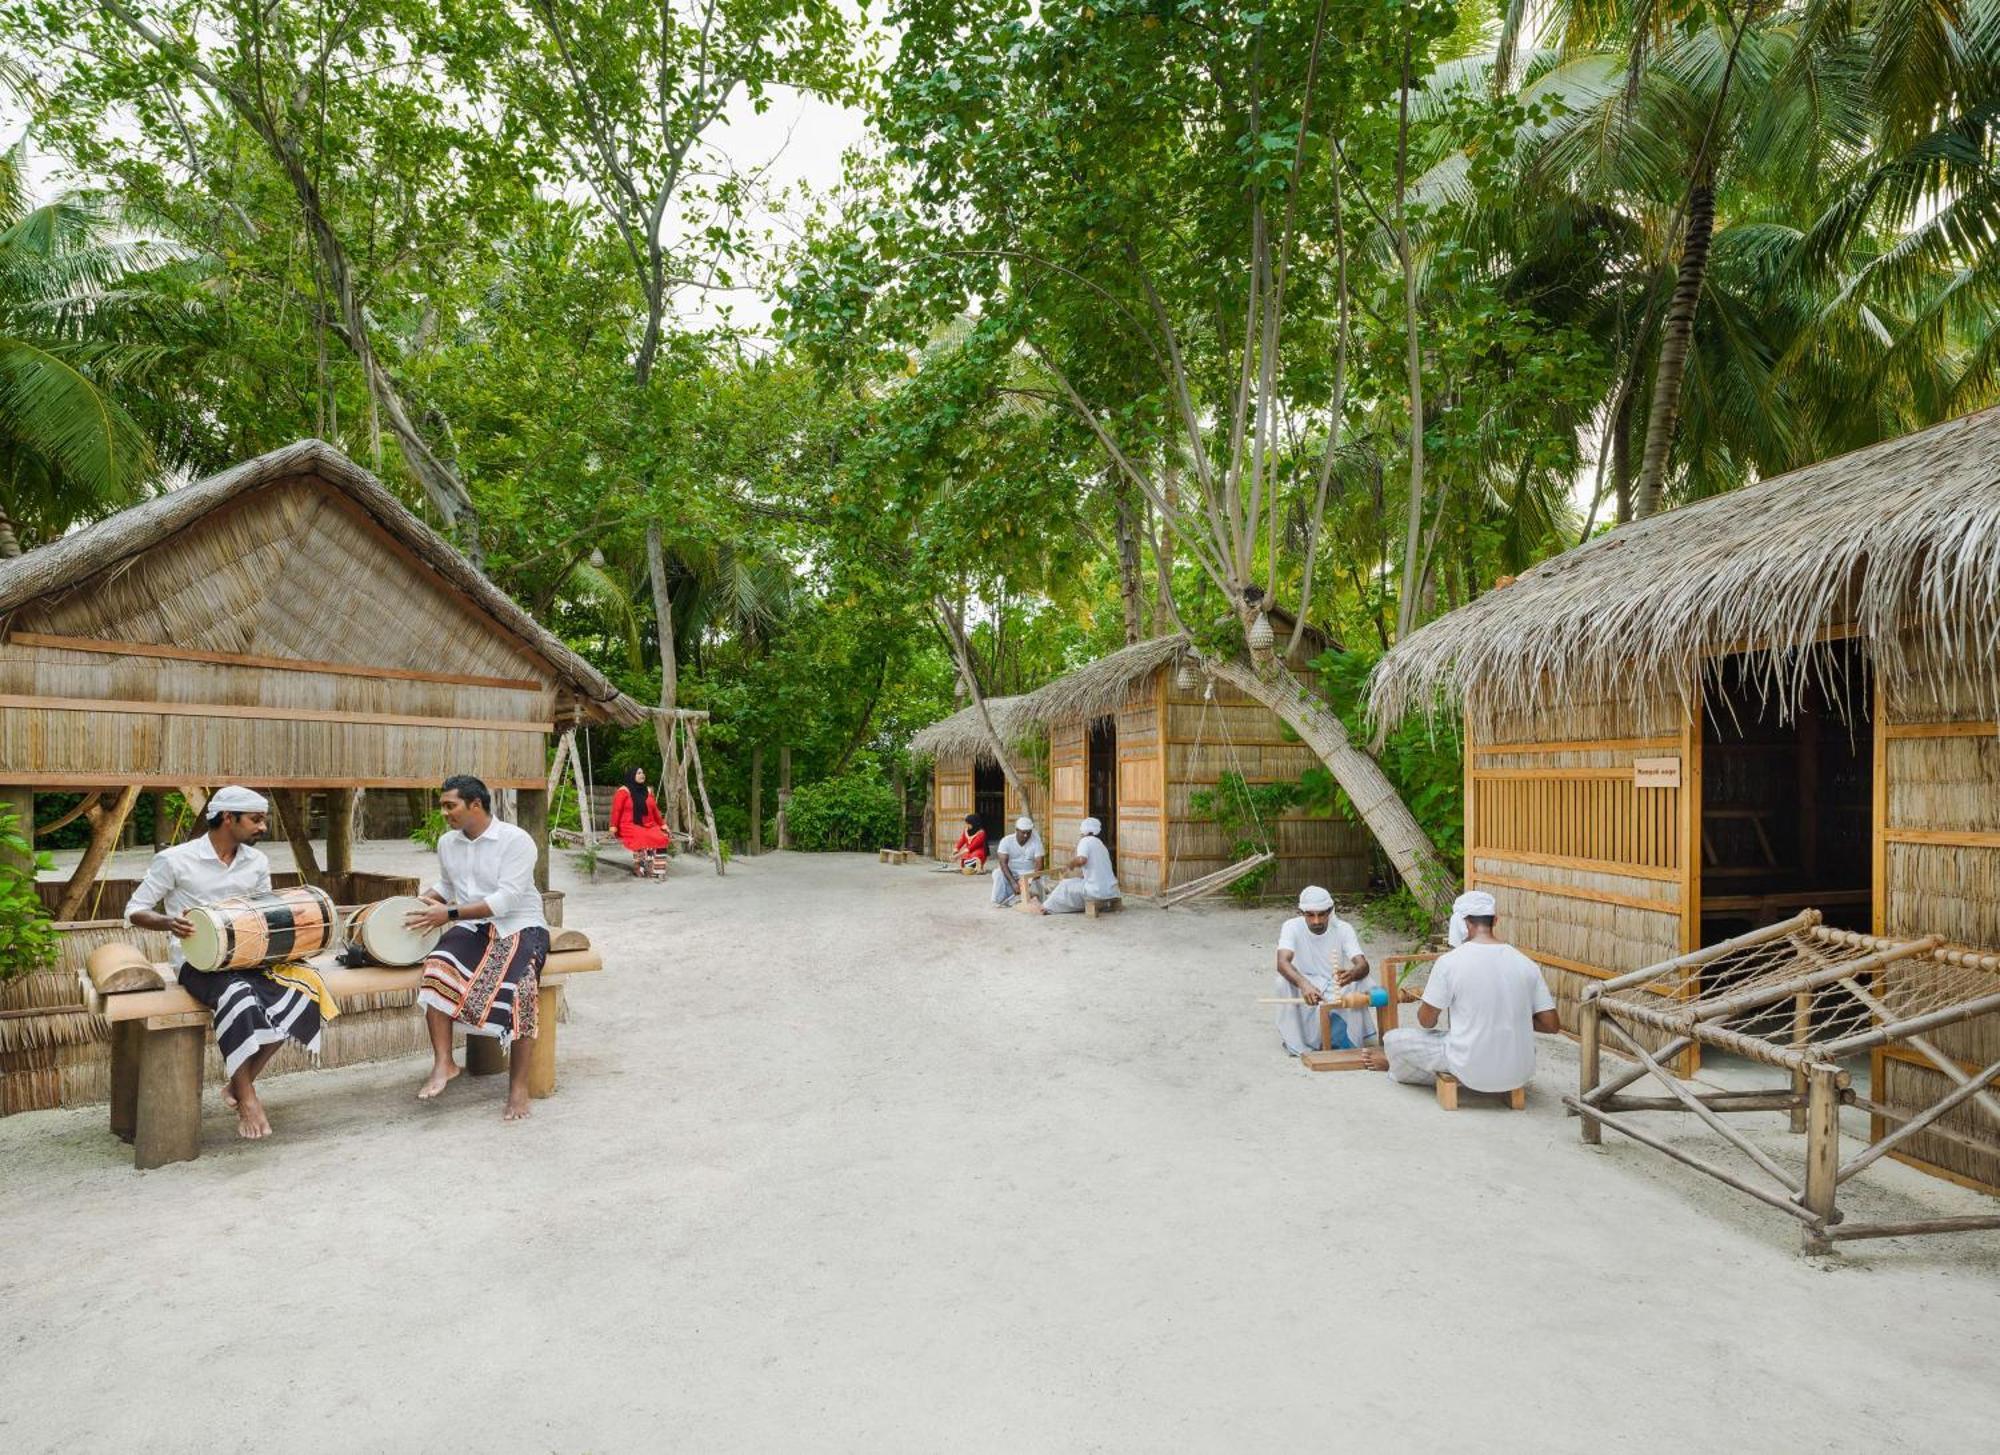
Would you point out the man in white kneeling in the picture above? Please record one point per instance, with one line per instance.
(1320, 955)
(1098, 882)
(1497, 1000)
(1016, 862)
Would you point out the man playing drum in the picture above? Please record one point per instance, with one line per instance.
(485, 973)
(253, 1012)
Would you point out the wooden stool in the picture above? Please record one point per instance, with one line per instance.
(1449, 1086)
(892, 856)
(1092, 908)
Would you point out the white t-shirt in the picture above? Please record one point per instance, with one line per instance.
(497, 867)
(190, 874)
(1098, 880)
(1493, 992)
(1319, 957)
(1020, 857)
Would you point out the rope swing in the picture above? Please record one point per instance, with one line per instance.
(1222, 878)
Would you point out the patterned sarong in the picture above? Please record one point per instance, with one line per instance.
(489, 983)
(255, 1008)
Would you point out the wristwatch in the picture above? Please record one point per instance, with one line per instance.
(451, 911)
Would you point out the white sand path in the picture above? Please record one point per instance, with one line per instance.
(842, 1159)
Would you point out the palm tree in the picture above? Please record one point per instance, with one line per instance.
(68, 449)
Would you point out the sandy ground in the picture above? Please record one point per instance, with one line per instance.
(844, 1160)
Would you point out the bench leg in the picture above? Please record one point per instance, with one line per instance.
(125, 1052)
(542, 1050)
(168, 1104)
(484, 1056)
(1517, 1099)
(1447, 1092)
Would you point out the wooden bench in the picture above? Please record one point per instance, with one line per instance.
(1092, 908)
(892, 856)
(1449, 1087)
(159, 1034)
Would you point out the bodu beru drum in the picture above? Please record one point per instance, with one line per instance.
(376, 935)
(259, 929)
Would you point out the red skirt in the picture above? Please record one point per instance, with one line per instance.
(638, 837)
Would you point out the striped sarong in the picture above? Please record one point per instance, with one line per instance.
(252, 1009)
(489, 983)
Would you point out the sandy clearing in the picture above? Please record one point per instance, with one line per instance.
(845, 1160)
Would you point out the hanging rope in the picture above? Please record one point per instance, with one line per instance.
(1222, 878)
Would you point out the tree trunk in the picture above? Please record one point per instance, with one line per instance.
(1675, 339)
(1408, 590)
(756, 798)
(1131, 592)
(1621, 458)
(340, 834)
(961, 652)
(292, 806)
(1163, 544)
(10, 545)
(106, 824)
(674, 807)
(784, 794)
(1375, 799)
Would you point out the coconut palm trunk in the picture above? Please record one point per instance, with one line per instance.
(1675, 339)
(1360, 777)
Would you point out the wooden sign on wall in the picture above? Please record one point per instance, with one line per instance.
(1656, 772)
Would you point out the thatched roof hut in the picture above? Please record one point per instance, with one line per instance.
(286, 624)
(1777, 699)
(1125, 743)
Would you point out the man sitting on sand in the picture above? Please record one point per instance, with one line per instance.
(485, 974)
(1318, 954)
(1098, 882)
(1497, 999)
(1017, 862)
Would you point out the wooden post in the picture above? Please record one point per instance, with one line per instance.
(162, 827)
(167, 1122)
(533, 808)
(756, 799)
(701, 782)
(106, 824)
(784, 794)
(484, 1055)
(1589, 1015)
(541, 1051)
(126, 1048)
(1822, 1154)
(1801, 1033)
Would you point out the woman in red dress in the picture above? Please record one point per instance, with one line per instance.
(970, 851)
(635, 818)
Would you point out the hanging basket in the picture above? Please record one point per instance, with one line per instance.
(1260, 634)
(1185, 676)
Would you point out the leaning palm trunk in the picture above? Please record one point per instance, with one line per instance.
(1674, 340)
(676, 804)
(10, 545)
(1360, 777)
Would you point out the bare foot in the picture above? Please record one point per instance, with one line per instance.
(441, 1077)
(251, 1122)
(229, 1098)
(518, 1109)
(1374, 1060)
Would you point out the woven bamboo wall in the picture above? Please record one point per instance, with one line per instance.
(1068, 790)
(1231, 732)
(1938, 872)
(952, 795)
(345, 661)
(1137, 858)
(1588, 870)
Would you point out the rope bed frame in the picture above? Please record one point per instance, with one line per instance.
(1795, 997)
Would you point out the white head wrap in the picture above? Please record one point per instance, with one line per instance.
(236, 799)
(1315, 899)
(1024, 822)
(1472, 902)
(1091, 828)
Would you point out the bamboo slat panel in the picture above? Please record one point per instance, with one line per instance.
(1944, 784)
(1139, 782)
(952, 800)
(1911, 1087)
(1602, 818)
(1577, 719)
(43, 745)
(54, 672)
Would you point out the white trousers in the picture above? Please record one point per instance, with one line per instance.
(1416, 1056)
(1007, 885)
(1066, 898)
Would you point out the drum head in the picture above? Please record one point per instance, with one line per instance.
(203, 948)
(379, 929)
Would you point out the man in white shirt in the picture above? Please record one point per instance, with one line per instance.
(253, 1013)
(1017, 861)
(1098, 882)
(1497, 999)
(1317, 955)
(485, 974)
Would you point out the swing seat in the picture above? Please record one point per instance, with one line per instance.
(1212, 883)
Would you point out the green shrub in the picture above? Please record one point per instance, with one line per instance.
(850, 812)
(1248, 813)
(430, 830)
(27, 936)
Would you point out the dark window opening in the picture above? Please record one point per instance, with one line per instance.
(989, 800)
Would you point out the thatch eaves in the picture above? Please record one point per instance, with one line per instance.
(1899, 541)
(1102, 686)
(70, 563)
(963, 735)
